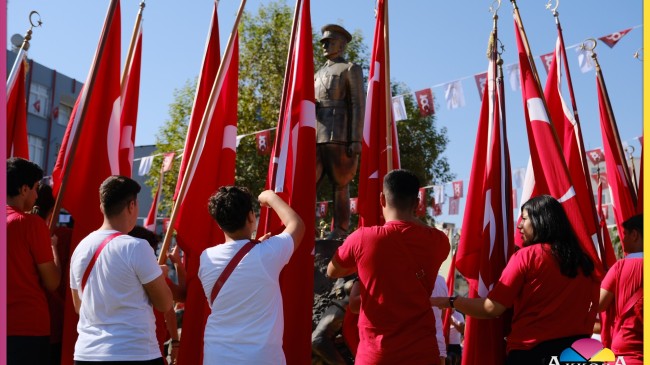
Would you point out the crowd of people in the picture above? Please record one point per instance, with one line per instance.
(390, 315)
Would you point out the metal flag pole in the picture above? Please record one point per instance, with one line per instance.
(134, 36)
(23, 47)
(389, 114)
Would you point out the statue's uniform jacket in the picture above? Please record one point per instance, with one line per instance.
(340, 102)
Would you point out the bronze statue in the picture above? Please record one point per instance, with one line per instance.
(340, 106)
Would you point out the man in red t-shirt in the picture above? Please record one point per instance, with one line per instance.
(397, 265)
(623, 286)
(32, 266)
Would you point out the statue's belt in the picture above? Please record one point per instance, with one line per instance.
(331, 104)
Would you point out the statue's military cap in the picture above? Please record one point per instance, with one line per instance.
(335, 31)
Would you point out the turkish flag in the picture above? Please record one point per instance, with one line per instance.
(480, 80)
(453, 206)
(611, 39)
(17, 145)
(547, 161)
(487, 240)
(212, 166)
(168, 161)
(263, 140)
(618, 174)
(595, 156)
(421, 210)
(424, 98)
(130, 97)
(292, 175)
(150, 221)
(375, 152)
(321, 209)
(569, 135)
(437, 209)
(96, 156)
(547, 60)
(458, 188)
(353, 205)
(601, 179)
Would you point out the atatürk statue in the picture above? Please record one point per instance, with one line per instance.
(340, 105)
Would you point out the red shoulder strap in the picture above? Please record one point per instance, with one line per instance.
(225, 274)
(84, 279)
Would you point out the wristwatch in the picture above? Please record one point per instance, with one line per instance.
(452, 300)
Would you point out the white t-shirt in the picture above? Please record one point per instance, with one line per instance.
(440, 290)
(116, 320)
(454, 335)
(246, 323)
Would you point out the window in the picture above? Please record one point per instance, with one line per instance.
(64, 114)
(39, 100)
(36, 150)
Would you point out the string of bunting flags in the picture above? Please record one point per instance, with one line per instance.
(454, 93)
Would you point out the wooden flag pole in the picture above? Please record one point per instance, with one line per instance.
(285, 88)
(389, 101)
(134, 36)
(216, 89)
(612, 122)
(86, 93)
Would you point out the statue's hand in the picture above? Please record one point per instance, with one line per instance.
(353, 149)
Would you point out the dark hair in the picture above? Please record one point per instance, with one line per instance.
(116, 192)
(634, 223)
(230, 206)
(45, 201)
(21, 172)
(551, 225)
(145, 234)
(401, 189)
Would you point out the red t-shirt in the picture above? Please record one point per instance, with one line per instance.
(396, 323)
(623, 280)
(547, 304)
(28, 244)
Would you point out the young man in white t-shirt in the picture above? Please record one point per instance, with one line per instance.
(246, 323)
(114, 297)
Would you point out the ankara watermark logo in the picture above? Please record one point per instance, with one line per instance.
(587, 351)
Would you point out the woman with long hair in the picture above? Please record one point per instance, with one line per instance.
(548, 283)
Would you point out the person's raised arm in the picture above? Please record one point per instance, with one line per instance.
(293, 224)
(179, 292)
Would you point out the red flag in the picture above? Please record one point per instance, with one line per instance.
(453, 206)
(547, 60)
(548, 165)
(487, 240)
(353, 205)
(595, 156)
(263, 140)
(213, 166)
(618, 175)
(424, 98)
(150, 222)
(437, 208)
(480, 80)
(130, 97)
(168, 161)
(601, 179)
(569, 135)
(374, 153)
(97, 151)
(458, 188)
(613, 38)
(321, 209)
(422, 203)
(17, 145)
(292, 174)
(603, 214)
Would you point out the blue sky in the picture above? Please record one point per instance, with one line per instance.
(432, 42)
